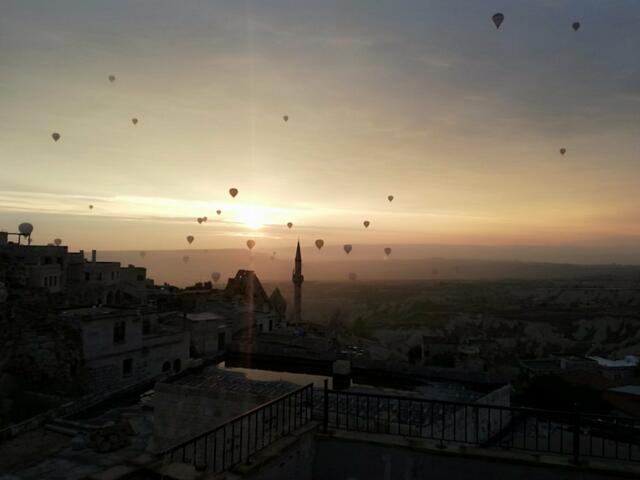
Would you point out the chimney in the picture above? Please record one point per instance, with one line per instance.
(93, 256)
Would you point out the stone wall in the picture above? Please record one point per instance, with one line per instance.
(371, 459)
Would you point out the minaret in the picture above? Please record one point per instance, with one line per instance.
(297, 282)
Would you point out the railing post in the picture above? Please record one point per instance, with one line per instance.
(576, 434)
(325, 420)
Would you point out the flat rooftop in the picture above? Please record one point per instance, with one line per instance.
(204, 317)
(213, 378)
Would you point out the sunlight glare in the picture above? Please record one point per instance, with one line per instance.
(251, 218)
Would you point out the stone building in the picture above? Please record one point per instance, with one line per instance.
(58, 271)
(123, 346)
(249, 307)
(210, 333)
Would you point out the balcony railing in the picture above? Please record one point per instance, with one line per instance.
(572, 434)
(237, 440)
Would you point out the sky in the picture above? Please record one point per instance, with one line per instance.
(424, 100)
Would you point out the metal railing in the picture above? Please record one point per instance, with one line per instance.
(572, 434)
(235, 441)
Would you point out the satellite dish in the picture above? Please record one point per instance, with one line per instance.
(25, 229)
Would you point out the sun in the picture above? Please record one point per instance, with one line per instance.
(251, 218)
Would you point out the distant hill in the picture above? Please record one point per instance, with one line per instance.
(169, 266)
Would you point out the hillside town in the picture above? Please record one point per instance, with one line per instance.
(102, 366)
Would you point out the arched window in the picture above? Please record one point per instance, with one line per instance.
(177, 365)
(166, 366)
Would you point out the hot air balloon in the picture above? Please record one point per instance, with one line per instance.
(563, 151)
(319, 244)
(497, 18)
(233, 192)
(390, 198)
(204, 219)
(199, 219)
(90, 207)
(112, 78)
(218, 212)
(353, 277)
(272, 258)
(134, 121)
(215, 276)
(387, 251)
(285, 118)
(57, 242)
(366, 223)
(348, 248)
(289, 225)
(25, 229)
(55, 136)
(142, 254)
(185, 259)
(575, 26)
(190, 239)
(251, 244)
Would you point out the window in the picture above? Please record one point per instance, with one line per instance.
(270, 324)
(127, 367)
(113, 275)
(100, 276)
(119, 332)
(146, 326)
(177, 365)
(260, 328)
(87, 276)
(46, 281)
(166, 366)
(140, 278)
(221, 341)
